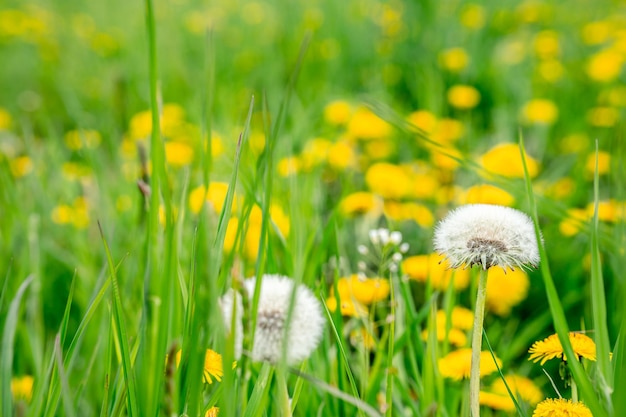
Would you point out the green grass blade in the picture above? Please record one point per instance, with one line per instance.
(8, 340)
(556, 308)
(120, 324)
(598, 301)
(260, 394)
(66, 392)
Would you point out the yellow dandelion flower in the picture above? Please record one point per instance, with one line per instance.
(425, 186)
(434, 269)
(341, 155)
(338, 112)
(550, 348)
(22, 387)
(561, 408)
(315, 153)
(605, 66)
(573, 222)
(364, 124)
(364, 291)
(178, 154)
(454, 59)
(423, 119)
(359, 203)
(212, 412)
(288, 166)
(455, 336)
(388, 180)
(231, 234)
(463, 97)
(551, 70)
(487, 194)
(595, 33)
(21, 166)
(362, 337)
(608, 210)
(215, 196)
(574, 143)
(603, 116)
(5, 119)
(547, 44)
(448, 131)
(212, 368)
(456, 365)
(496, 401)
(419, 213)
(462, 318)
(447, 158)
(377, 149)
(522, 387)
(83, 138)
(561, 188)
(74, 171)
(62, 214)
(540, 111)
(506, 289)
(505, 160)
(349, 307)
(604, 163)
(473, 16)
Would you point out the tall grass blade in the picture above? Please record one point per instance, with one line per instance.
(8, 340)
(122, 334)
(556, 308)
(598, 301)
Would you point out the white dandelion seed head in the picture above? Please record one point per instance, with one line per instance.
(306, 322)
(487, 235)
(227, 302)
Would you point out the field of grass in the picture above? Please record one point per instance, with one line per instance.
(156, 155)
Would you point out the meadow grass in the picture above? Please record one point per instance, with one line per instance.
(154, 155)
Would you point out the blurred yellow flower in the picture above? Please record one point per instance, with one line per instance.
(76, 214)
(378, 149)
(561, 188)
(603, 116)
(62, 214)
(212, 412)
(447, 158)
(21, 166)
(550, 348)
(363, 290)
(473, 16)
(487, 194)
(456, 365)
(215, 196)
(364, 124)
(423, 119)
(359, 203)
(388, 180)
(522, 387)
(573, 222)
(5, 119)
(338, 112)
(448, 131)
(463, 96)
(496, 401)
(74, 171)
(608, 210)
(419, 213)
(574, 143)
(288, 166)
(561, 408)
(595, 33)
(123, 203)
(362, 337)
(540, 111)
(551, 70)
(178, 154)
(505, 159)
(505, 289)
(604, 163)
(349, 307)
(547, 44)
(315, 153)
(434, 269)
(605, 66)
(82, 138)
(425, 185)
(455, 336)
(341, 155)
(461, 320)
(22, 387)
(454, 59)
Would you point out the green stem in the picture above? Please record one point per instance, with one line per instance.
(283, 393)
(477, 339)
(574, 390)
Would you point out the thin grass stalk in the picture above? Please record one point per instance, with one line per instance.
(8, 339)
(556, 308)
(477, 340)
(598, 301)
(390, 347)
